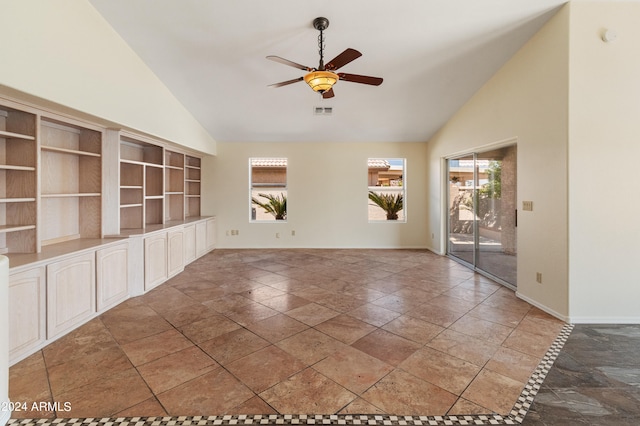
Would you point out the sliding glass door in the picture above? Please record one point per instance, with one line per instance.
(482, 212)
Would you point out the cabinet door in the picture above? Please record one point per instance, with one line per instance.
(201, 238)
(211, 233)
(155, 260)
(71, 293)
(189, 243)
(175, 251)
(112, 275)
(27, 312)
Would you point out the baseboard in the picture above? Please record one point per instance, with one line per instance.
(604, 320)
(544, 308)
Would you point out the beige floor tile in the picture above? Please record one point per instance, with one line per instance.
(312, 314)
(285, 302)
(148, 408)
(233, 345)
(264, 368)
(401, 392)
(89, 338)
(208, 328)
(464, 347)
(528, 343)
(157, 346)
(83, 370)
(374, 315)
(482, 329)
(464, 407)
(386, 346)
(307, 392)
(513, 364)
(214, 393)
(345, 328)
(104, 397)
(310, 346)
(353, 369)
(413, 329)
(175, 369)
(494, 391)
(277, 327)
(443, 370)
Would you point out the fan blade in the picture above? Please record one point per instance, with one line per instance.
(364, 79)
(284, 83)
(288, 62)
(342, 59)
(328, 94)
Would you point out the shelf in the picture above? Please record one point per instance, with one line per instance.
(15, 228)
(154, 197)
(192, 167)
(173, 167)
(173, 193)
(193, 196)
(22, 168)
(69, 151)
(17, 200)
(126, 206)
(192, 180)
(130, 186)
(79, 194)
(12, 135)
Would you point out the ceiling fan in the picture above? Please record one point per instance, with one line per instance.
(323, 78)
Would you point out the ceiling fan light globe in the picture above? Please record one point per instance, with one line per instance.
(321, 81)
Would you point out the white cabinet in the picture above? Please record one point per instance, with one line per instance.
(175, 251)
(201, 238)
(112, 275)
(27, 321)
(189, 243)
(211, 233)
(71, 293)
(155, 260)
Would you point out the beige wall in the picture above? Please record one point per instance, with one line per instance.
(65, 52)
(525, 101)
(604, 150)
(324, 209)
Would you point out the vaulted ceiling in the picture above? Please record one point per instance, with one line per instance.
(433, 55)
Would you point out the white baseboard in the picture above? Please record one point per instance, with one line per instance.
(544, 308)
(604, 320)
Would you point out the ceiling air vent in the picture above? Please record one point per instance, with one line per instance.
(323, 110)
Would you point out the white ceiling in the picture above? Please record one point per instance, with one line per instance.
(433, 55)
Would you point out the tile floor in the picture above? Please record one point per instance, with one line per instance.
(402, 332)
(595, 380)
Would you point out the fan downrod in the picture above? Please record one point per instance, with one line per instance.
(321, 23)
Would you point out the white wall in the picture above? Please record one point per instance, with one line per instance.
(327, 196)
(525, 101)
(65, 52)
(604, 150)
(4, 339)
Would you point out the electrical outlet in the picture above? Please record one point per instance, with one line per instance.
(293, 233)
(539, 277)
(277, 235)
(527, 206)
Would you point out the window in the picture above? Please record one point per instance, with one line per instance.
(268, 192)
(386, 189)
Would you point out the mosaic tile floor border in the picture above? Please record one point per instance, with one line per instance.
(516, 416)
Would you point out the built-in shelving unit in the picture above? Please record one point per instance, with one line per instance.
(89, 216)
(71, 181)
(18, 181)
(174, 185)
(192, 186)
(141, 183)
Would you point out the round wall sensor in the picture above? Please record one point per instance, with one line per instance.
(609, 35)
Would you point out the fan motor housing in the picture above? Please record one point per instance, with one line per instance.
(321, 23)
